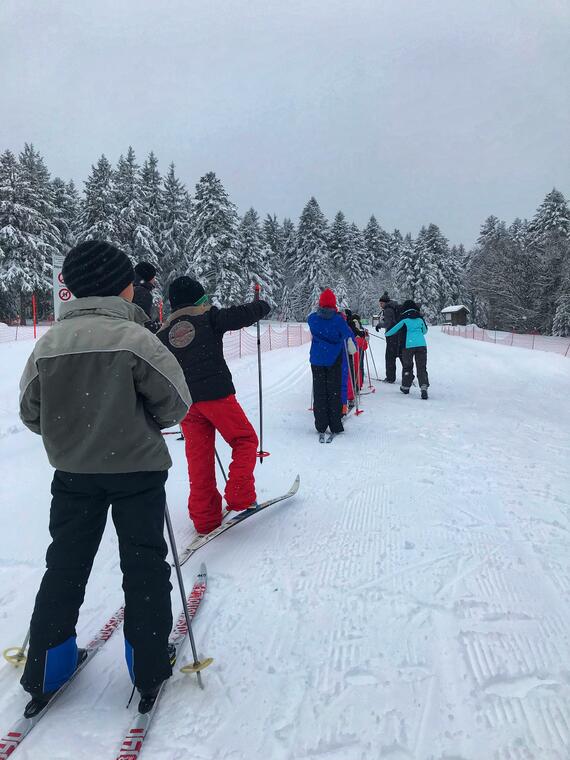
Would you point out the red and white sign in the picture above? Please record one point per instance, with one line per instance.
(61, 294)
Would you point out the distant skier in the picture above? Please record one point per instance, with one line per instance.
(145, 275)
(330, 334)
(414, 327)
(391, 311)
(98, 388)
(195, 333)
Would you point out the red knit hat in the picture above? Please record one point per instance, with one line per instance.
(327, 299)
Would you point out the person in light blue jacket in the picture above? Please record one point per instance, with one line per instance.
(414, 327)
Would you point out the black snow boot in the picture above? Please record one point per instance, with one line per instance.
(148, 698)
(424, 393)
(37, 704)
(405, 390)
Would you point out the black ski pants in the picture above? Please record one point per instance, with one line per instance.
(393, 351)
(408, 356)
(327, 404)
(77, 520)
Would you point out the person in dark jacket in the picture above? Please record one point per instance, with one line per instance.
(194, 333)
(145, 275)
(98, 388)
(330, 333)
(412, 327)
(391, 311)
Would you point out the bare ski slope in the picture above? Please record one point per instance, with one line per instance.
(411, 603)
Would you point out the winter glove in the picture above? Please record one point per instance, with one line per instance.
(351, 345)
(378, 328)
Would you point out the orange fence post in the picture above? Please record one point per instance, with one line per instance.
(160, 310)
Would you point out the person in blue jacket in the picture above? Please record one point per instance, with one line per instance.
(414, 329)
(330, 334)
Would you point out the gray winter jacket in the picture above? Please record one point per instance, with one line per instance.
(390, 315)
(99, 388)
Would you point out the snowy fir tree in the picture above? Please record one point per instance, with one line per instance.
(28, 235)
(403, 253)
(135, 236)
(378, 246)
(549, 233)
(426, 283)
(312, 265)
(339, 244)
(173, 228)
(66, 203)
(151, 209)
(288, 301)
(359, 269)
(213, 247)
(272, 234)
(98, 211)
(255, 258)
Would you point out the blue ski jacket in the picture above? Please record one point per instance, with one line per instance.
(415, 329)
(329, 331)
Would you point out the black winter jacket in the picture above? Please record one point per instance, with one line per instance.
(391, 311)
(143, 297)
(195, 335)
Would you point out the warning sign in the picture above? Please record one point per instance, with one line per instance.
(61, 294)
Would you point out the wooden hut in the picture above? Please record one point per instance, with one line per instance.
(455, 315)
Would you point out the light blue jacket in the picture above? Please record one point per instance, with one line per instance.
(415, 329)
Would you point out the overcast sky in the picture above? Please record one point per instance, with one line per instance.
(417, 111)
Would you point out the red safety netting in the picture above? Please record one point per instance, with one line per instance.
(521, 340)
(236, 344)
(280, 335)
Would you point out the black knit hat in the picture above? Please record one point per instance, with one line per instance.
(184, 291)
(409, 305)
(384, 298)
(96, 268)
(145, 271)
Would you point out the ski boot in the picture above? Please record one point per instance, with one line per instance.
(37, 704)
(148, 698)
(404, 390)
(424, 393)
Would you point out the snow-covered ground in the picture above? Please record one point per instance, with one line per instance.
(411, 602)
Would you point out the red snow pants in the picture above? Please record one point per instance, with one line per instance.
(199, 428)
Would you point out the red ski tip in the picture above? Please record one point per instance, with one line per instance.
(360, 411)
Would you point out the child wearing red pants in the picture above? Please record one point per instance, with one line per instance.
(194, 333)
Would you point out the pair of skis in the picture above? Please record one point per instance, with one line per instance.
(133, 742)
(199, 541)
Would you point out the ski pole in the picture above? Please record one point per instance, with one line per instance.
(370, 386)
(261, 453)
(19, 653)
(378, 337)
(373, 361)
(197, 665)
(221, 466)
(351, 371)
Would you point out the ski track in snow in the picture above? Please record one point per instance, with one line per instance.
(411, 603)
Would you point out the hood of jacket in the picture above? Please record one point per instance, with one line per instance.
(326, 312)
(410, 314)
(102, 306)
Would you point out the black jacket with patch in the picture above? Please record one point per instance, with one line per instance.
(195, 335)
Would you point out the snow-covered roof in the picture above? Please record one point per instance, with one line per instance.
(453, 309)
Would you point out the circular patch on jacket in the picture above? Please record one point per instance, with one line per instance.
(181, 334)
